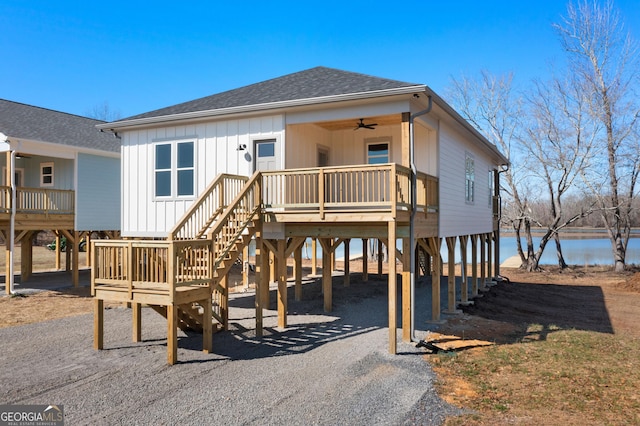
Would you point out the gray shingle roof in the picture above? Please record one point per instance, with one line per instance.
(44, 125)
(312, 83)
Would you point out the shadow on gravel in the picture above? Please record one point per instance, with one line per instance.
(357, 309)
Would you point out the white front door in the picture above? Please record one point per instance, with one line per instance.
(266, 154)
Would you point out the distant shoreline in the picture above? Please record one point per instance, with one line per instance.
(572, 233)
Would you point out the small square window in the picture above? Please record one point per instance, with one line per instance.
(46, 174)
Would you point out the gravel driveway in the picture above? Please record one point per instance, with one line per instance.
(325, 369)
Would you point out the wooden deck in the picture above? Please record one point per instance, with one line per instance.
(337, 203)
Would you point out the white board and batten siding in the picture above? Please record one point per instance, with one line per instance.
(457, 215)
(97, 193)
(216, 150)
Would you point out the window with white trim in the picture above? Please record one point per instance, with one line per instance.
(469, 178)
(46, 174)
(174, 169)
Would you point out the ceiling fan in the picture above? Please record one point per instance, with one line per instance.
(361, 125)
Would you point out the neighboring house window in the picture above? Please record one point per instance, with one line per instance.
(46, 174)
(174, 169)
(470, 178)
(378, 153)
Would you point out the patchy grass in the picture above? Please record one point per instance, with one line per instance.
(571, 378)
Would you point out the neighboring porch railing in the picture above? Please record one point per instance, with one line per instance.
(38, 200)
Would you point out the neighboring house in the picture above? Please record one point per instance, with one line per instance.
(66, 175)
(330, 155)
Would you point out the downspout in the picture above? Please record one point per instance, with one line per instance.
(12, 221)
(412, 238)
(499, 201)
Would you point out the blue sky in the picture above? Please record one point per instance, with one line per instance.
(138, 56)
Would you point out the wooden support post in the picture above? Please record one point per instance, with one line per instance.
(314, 257)
(265, 283)
(435, 243)
(98, 324)
(347, 263)
(8, 260)
(332, 243)
(365, 260)
(224, 308)
(474, 265)
(87, 250)
(381, 257)
(281, 263)
(393, 302)
(75, 268)
(26, 261)
(137, 321)
(245, 267)
(406, 288)
(57, 251)
(464, 293)
(273, 261)
(483, 265)
(451, 276)
(406, 306)
(489, 259)
(67, 256)
(172, 333)
(259, 284)
(297, 256)
(207, 328)
(327, 282)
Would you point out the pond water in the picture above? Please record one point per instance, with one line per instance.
(583, 251)
(576, 250)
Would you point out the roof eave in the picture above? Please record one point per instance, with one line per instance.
(449, 109)
(260, 107)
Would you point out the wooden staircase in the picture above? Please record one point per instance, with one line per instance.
(226, 214)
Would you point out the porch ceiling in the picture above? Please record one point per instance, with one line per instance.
(351, 123)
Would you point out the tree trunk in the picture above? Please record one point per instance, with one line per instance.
(561, 263)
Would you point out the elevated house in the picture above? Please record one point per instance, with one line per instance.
(59, 173)
(324, 154)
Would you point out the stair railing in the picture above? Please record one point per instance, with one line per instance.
(235, 219)
(205, 210)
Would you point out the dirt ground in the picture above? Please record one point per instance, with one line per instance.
(593, 299)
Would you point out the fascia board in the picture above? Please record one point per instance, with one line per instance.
(259, 107)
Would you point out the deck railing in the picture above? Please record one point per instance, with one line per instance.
(218, 195)
(156, 267)
(38, 200)
(159, 267)
(385, 187)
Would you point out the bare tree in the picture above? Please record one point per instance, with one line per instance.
(490, 104)
(559, 138)
(104, 112)
(603, 56)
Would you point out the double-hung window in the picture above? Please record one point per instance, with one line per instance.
(470, 179)
(378, 153)
(46, 174)
(174, 169)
